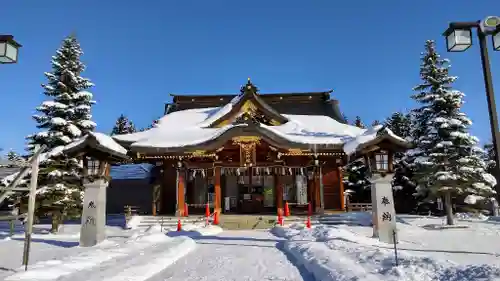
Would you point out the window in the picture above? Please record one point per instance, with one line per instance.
(382, 161)
(93, 167)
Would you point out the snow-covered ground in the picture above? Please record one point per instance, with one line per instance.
(133, 254)
(236, 256)
(425, 252)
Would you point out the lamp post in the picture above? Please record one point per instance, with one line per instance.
(9, 49)
(458, 39)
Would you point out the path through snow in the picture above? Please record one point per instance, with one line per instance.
(235, 256)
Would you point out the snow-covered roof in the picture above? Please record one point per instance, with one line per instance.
(371, 136)
(189, 127)
(99, 141)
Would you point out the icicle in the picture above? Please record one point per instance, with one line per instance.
(302, 171)
(283, 171)
(268, 171)
(194, 173)
(257, 171)
(222, 171)
(290, 171)
(203, 173)
(238, 172)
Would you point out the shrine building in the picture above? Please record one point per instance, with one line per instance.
(252, 152)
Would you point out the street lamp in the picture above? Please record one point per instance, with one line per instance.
(496, 39)
(8, 49)
(458, 39)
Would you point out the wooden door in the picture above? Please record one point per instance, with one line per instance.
(331, 188)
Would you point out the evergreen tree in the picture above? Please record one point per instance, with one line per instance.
(62, 119)
(375, 123)
(13, 156)
(346, 120)
(151, 126)
(358, 181)
(123, 126)
(358, 123)
(404, 189)
(400, 124)
(446, 161)
(489, 157)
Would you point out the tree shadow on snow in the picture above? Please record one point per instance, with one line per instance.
(58, 243)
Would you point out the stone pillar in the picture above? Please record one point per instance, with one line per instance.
(93, 228)
(217, 190)
(383, 212)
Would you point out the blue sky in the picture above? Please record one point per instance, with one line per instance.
(137, 53)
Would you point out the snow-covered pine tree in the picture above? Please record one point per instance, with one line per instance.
(358, 123)
(399, 123)
(489, 157)
(62, 119)
(123, 126)
(346, 120)
(151, 126)
(404, 188)
(375, 123)
(357, 180)
(446, 160)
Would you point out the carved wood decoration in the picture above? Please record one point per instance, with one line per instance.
(248, 145)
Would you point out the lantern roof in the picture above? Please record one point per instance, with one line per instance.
(98, 146)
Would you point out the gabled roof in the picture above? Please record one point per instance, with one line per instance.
(248, 96)
(97, 144)
(296, 103)
(193, 129)
(373, 137)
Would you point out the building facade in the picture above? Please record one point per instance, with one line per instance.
(251, 152)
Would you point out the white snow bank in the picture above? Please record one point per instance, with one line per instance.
(470, 217)
(194, 230)
(339, 253)
(133, 222)
(104, 252)
(155, 263)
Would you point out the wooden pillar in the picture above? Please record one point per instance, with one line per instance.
(278, 180)
(317, 196)
(341, 187)
(181, 185)
(390, 164)
(218, 191)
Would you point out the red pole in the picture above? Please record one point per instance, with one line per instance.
(309, 209)
(216, 218)
(287, 209)
(308, 222)
(179, 225)
(186, 210)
